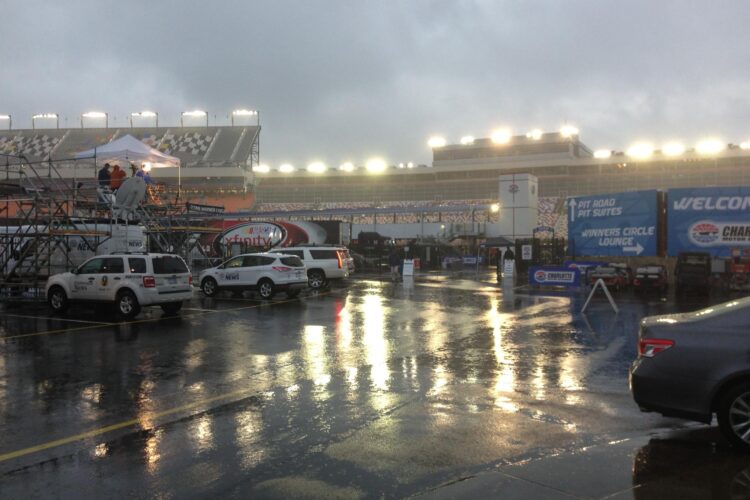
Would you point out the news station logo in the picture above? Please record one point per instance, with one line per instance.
(704, 233)
(542, 276)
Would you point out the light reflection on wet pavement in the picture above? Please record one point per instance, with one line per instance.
(443, 386)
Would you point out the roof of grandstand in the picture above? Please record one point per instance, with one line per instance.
(194, 146)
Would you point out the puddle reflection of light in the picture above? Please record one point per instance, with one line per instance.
(201, 433)
(435, 326)
(100, 450)
(286, 370)
(194, 353)
(375, 344)
(316, 357)
(538, 383)
(505, 376)
(249, 444)
(151, 450)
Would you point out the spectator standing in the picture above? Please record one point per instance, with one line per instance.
(394, 261)
(116, 178)
(104, 176)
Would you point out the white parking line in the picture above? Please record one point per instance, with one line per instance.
(59, 319)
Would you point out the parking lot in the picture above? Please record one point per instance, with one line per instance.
(445, 385)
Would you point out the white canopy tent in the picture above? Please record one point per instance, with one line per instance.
(126, 149)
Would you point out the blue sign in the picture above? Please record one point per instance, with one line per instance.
(714, 220)
(619, 224)
(554, 276)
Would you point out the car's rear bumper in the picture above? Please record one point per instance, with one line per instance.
(155, 298)
(654, 391)
(297, 285)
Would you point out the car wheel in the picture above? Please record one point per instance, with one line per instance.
(57, 300)
(209, 287)
(266, 289)
(171, 307)
(734, 415)
(316, 280)
(291, 294)
(127, 304)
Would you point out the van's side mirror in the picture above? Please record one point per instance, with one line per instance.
(74, 270)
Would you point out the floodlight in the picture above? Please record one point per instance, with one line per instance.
(286, 168)
(436, 142)
(245, 112)
(568, 131)
(602, 154)
(317, 167)
(147, 166)
(10, 120)
(467, 140)
(96, 114)
(495, 208)
(501, 136)
(640, 150)
(745, 145)
(261, 169)
(144, 114)
(375, 166)
(347, 166)
(673, 149)
(45, 115)
(709, 146)
(410, 165)
(534, 134)
(196, 113)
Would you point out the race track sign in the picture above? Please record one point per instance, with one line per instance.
(619, 224)
(714, 220)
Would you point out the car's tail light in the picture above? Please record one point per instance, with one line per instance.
(190, 280)
(149, 282)
(648, 348)
(282, 269)
(341, 259)
(636, 282)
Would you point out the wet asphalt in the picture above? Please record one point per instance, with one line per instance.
(443, 386)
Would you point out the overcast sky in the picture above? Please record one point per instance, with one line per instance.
(339, 80)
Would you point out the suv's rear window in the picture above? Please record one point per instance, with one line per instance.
(169, 264)
(292, 261)
(324, 254)
(137, 265)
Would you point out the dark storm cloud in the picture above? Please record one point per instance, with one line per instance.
(341, 80)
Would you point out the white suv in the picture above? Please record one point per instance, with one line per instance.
(129, 281)
(265, 272)
(323, 263)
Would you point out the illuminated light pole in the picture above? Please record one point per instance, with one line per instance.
(196, 113)
(602, 154)
(568, 131)
(34, 118)
(376, 166)
(246, 112)
(144, 114)
(436, 142)
(501, 136)
(640, 150)
(96, 114)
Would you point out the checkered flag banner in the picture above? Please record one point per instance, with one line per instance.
(195, 144)
(151, 140)
(39, 145)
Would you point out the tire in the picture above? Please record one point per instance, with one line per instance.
(292, 294)
(171, 307)
(733, 415)
(57, 300)
(316, 280)
(209, 287)
(126, 304)
(266, 289)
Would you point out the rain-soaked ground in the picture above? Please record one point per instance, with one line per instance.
(442, 386)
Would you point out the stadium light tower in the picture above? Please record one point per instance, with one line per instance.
(246, 112)
(96, 114)
(144, 114)
(196, 113)
(36, 117)
(436, 142)
(10, 120)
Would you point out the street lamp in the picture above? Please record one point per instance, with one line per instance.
(96, 114)
(45, 116)
(246, 112)
(144, 114)
(197, 113)
(10, 120)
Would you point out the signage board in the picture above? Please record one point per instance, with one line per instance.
(618, 224)
(554, 276)
(714, 220)
(526, 252)
(408, 269)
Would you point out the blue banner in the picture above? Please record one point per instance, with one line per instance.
(554, 276)
(714, 220)
(619, 224)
